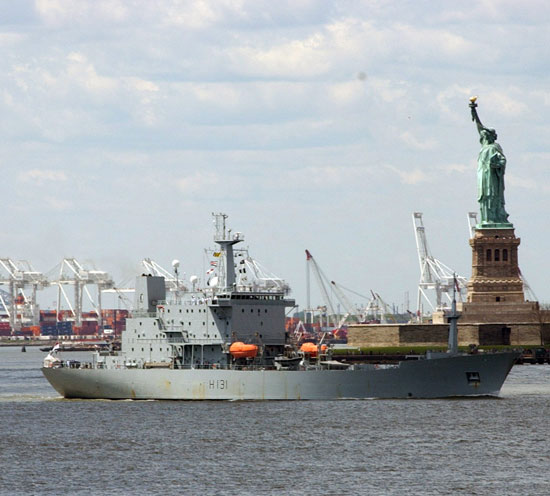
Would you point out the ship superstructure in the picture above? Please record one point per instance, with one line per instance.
(196, 327)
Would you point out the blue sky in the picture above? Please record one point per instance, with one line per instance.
(313, 124)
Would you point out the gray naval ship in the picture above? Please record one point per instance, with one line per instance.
(227, 341)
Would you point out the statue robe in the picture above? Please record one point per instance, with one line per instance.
(490, 182)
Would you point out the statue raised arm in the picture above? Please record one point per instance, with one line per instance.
(475, 117)
(491, 166)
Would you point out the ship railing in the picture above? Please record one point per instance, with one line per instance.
(205, 341)
(190, 341)
(74, 364)
(223, 366)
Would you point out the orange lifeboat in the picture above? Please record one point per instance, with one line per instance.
(242, 350)
(311, 348)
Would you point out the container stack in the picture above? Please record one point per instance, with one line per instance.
(64, 328)
(5, 329)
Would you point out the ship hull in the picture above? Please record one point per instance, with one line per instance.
(463, 375)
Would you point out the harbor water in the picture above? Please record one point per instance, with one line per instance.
(49, 445)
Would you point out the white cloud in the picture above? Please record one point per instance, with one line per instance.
(413, 177)
(543, 97)
(43, 175)
(83, 73)
(347, 92)
(388, 90)
(505, 103)
(198, 182)
(459, 168)
(58, 203)
(528, 183)
(325, 177)
(296, 58)
(59, 12)
(412, 141)
(8, 39)
(220, 94)
(197, 14)
(446, 98)
(142, 85)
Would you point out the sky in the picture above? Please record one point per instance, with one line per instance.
(319, 125)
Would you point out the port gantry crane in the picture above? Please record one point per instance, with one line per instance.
(20, 308)
(434, 274)
(472, 222)
(71, 272)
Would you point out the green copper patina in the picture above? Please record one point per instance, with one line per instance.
(491, 165)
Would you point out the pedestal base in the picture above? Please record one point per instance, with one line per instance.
(495, 273)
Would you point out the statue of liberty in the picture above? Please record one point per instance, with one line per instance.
(491, 165)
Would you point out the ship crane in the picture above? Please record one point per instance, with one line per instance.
(20, 307)
(171, 280)
(434, 274)
(348, 307)
(71, 272)
(383, 308)
(373, 310)
(321, 278)
(252, 275)
(121, 290)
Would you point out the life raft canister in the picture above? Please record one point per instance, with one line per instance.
(242, 350)
(312, 349)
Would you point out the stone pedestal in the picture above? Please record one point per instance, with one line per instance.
(495, 272)
(495, 290)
